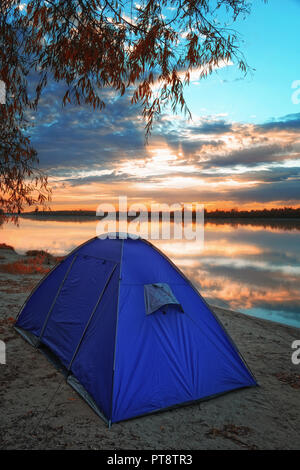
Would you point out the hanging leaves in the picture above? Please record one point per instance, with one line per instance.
(147, 50)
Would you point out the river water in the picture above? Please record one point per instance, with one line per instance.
(247, 266)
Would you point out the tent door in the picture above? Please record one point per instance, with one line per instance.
(76, 302)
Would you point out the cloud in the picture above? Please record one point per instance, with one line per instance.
(290, 122)
(79, 137)
(207, 159)
(251, 156)
(212, 127)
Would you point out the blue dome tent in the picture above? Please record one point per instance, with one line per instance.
(130, 332)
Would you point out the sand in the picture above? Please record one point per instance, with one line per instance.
(40, 411)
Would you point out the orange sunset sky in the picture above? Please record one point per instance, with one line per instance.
(240, 150)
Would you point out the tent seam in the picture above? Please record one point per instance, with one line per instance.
(56, 297)
(50, 272)
(91, 316)
(116, 332)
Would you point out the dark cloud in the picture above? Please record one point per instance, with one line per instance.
(79, 137)
(74, 142)
(250, 156)
(287, 190)
(289, 122)
(214, 127)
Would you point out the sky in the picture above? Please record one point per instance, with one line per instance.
(241, 149)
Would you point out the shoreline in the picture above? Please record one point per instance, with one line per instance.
(284, 223)
(264, 417)
(216, 308)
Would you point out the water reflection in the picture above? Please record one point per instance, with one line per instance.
(246, 267)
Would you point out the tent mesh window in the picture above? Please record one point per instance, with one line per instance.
(158, 296)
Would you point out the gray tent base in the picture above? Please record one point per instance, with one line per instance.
(30, 338)
(76, 385)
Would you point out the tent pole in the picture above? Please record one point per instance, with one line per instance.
(115, 345)
(50, 272)
(91, 316)
(55, 299)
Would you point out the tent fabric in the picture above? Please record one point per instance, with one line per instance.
(75, 304)
(101, 313)
(158, 296)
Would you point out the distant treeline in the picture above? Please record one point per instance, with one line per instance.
(276, 213)
(285, 224)
(280, 213)
(62, 213)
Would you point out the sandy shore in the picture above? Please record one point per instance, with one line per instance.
(40, 411)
